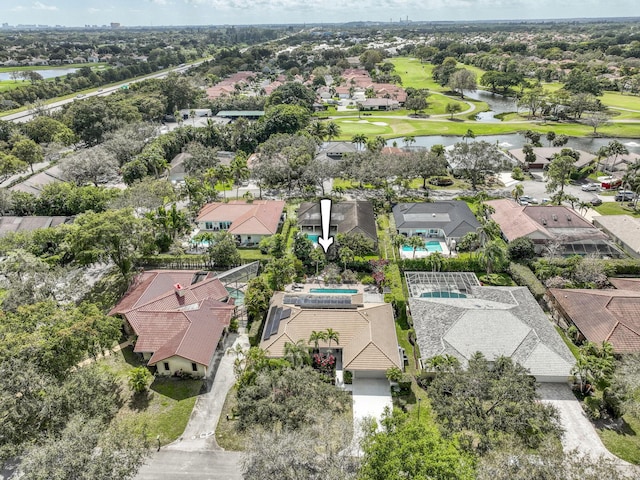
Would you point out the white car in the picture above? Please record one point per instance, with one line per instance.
(528, 199)
(590, 187)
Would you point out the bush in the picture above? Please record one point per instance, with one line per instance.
(233, 325)
(517, 173)
(521, 249)
(523, 276)
(255, 333)
(348, 377)
(441, 181)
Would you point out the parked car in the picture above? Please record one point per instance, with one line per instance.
(528, 199)
(625, 196)
(595, 201)
(590, 187)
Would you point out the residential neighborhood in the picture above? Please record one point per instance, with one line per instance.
(368, 250)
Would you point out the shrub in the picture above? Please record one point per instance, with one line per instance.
(348, 377)
(521, 249)
(255, 332)
(441, 181)
(517, 173)
(523, 276)
(233, 325)
(139, 379)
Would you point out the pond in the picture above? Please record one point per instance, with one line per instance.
(497, 103)
(46, 73)
(514, 140)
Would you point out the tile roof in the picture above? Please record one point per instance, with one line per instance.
(260, 217)
(30, 223)
(542, 222)
(495, 321)
(367, 333)
(603, 315)
(188, 325)
(454, 217)
(624, 227)
(625, 283)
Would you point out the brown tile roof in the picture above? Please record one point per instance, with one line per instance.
(260, 217)
(542, 222)
(625, 283)
(604, 315)
(188, 325)
(367, 334)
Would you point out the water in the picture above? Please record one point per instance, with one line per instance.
(514, 140)
(334, 290)
(442, 295)
(497, 103)
(237, 295)
(46, 73)
(430, 246)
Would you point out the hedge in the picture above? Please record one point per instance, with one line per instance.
(461, 263)
(255, 333)
(622, 266)
(523, 276)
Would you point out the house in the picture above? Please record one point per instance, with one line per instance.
(176, 167)
(623, 229)
(445, 221)
(346, 217)
(178, 317)
(28, 224)
(367, 344)
(379, 104)
(235, 114)
(248, 222)
(551, 225)
(602, 315)
(544, 155)
(453, 315)
(337, 150)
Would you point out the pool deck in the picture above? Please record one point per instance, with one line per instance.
(423, 253)
(317, 283)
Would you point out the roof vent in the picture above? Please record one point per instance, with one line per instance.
(433, 214)
(179, 290)
(555, 217)
(568, 218)
(544, 221)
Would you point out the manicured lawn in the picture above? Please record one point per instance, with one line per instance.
(164, 410)
(616, 99)
(616, 208)
(252, 254)
(6, 85)
(52, 67)
(227, 436)
(415, 74)
(625, 444)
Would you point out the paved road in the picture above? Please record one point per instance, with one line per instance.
(26, 115)
(177, 465)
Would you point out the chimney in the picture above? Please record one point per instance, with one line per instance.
(179, 290)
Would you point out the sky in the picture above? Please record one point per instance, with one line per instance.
(222, 12)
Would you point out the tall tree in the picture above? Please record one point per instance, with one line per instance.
(474, 160)
(559, 171)
(462, 80)
(28, 151)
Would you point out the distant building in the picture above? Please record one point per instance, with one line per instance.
(27, 224)
(115, 25)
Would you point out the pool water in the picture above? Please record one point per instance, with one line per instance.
(430, 246)
(313, 238)
(237, 295)
(334, 290)
(442, 295)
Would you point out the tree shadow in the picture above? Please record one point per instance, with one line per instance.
(176, 388)
(140, 401)
(130, 357)
(458, 120)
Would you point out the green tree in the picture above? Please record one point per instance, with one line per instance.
(493, 256)
(409, 448)
(280, 272)
(415, 242)
(239, 170)
(285, 118)
(297, 354)
(316, 337)
(462, 80)
(332, 335)
(474, 160)
(115, 235)
(521, 249)
(10, 165)
(257, 297)
(517, 191)
(223, 251)
(28, 151)
(559, 172)
(416, 102)
(452, 108)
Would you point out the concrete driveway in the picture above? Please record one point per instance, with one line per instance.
(178, 465)
(370, 397)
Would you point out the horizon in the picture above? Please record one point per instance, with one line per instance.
(201, 13)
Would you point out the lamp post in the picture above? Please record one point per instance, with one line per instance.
(158, 439)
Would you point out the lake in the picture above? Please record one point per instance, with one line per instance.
(46, 73)
(514, 140)
(497, 103)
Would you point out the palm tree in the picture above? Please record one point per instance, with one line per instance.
(492, 254)
(398, 241)
(615, 149)
(331, 334)
(469, 134)
(333, 130)
(360, 140)
(517, 191)
(436, 261)
(318, 130)
(316, 337)
(297, 353)
(346, 255)
(409, 140)
(415, 242)
(239, 170)
(583, 207)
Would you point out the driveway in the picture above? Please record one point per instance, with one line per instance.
(178, 465)
(199, 434)
(370, 397)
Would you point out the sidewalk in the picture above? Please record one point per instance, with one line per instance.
(199, 434)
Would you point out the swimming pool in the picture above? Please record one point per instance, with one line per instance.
(312, 237)
(442, 295)
(430, 246)
(334, 290)
(237, 295)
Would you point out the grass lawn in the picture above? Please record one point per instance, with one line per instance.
(52, 67)
(6, 85)
(227, 436)
(252, 254)
(616, 208)
(624, 444)
(616, 99)
(572, 346)
(164, 410)
(415, 74)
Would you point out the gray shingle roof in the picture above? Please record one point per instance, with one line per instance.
(454, 217)
(348, 217)
(495, 321)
